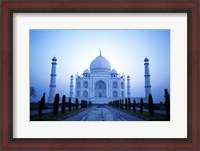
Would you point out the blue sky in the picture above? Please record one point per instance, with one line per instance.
(124, 49)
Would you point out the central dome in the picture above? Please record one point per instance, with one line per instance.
(100, 64)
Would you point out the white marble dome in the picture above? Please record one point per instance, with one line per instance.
(86, 71)
(100, 64)
(114, 71)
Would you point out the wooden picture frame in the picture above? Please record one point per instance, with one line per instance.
(191, 7)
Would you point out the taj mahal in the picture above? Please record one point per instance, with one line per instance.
(99, 84)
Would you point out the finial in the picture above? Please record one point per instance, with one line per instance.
(100, 52)
(54, 59)
(146, 59)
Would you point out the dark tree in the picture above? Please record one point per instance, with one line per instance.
(32, 92)
(56, 104)
(113, 103)
(70, 105)
(40, 109)
(167, 104)
(141, 105)
(90, 103)
(118, 104)
(84, 104)
(126, 105)
(63, 104)
(43, 100)
(129, 104)
(150, 103)
(41, 105)
(76, 101)
(122, 103)
(134, 105)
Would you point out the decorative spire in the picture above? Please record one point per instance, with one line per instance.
(146, 59)
(54, 59)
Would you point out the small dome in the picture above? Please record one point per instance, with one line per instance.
(86, 71)
(114, 71)
(146, 59)
(54, 59)
(100, 64)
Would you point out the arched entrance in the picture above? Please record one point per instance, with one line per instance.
(100, 89)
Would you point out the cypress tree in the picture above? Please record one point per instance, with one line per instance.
(43, 100)
(70, 105)
(41, 105)
(126, 103)
(122, 103)
(129, 104)
(134, 105)
(150, 103)
(40, 109)
(167, 104)
(84, 104)
(141, 105)
(63, 104)
(90, 103)
(76, 103)
(56, 104)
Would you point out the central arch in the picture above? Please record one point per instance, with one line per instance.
(100, 89)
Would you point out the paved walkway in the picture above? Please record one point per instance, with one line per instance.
(102, 113)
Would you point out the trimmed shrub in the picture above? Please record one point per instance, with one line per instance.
(84, 104)
(167, 104)
(134, 105)
(70, 105)
(150, 103)
(76, 101)
(90, 103)
(126, 105)
(141, 105)
(63, 104)
(56, 104)
(41, 105)
(129, 104)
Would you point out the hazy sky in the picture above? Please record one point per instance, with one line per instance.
(124, 49)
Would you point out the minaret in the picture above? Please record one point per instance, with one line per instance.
(52, 86)
(147, 78)
(71, 86)
(128, 86)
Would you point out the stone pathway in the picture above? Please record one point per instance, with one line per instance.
(102, 113)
